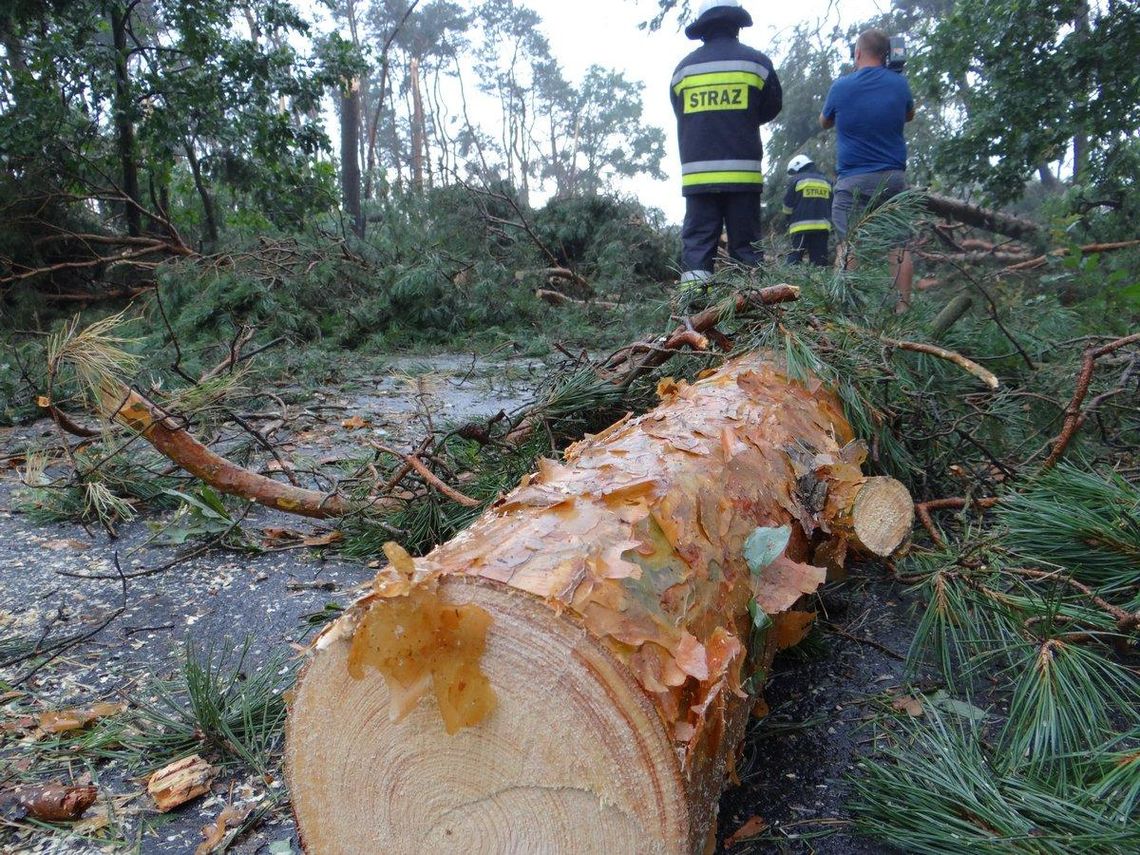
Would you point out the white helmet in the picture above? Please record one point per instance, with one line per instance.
(797, 163)
(712, 4)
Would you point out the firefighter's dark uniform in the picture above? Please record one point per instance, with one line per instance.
(722, 92)
(807, 204)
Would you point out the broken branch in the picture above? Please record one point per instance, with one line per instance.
(922, 511)
(1039, 261)
(983, 218)
(967, 365)
(424, 472)
(150, 422)
(1074, 417)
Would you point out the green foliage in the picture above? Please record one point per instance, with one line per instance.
(1031, 78)
(1063, 706)
(614, 242)
(941, 789)
(1083, 521)
(596, 131)
(104, 487)
(202, 514)
(221, 704)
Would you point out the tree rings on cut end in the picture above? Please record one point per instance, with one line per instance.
(572, 759)
(882, 516)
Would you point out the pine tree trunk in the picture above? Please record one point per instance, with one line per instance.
(124, 126)
(349, 154)
(209, 210)
(418, 130)
(589, 641)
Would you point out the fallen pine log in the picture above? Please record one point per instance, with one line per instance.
(982, 218)
(594, 641)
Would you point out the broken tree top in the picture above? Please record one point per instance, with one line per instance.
(572, 672)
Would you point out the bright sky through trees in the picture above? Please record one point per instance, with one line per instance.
(605, 32)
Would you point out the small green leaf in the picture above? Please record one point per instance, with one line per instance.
(761, 622)
(765, 545)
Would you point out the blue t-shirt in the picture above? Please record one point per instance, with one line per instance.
(870, 107)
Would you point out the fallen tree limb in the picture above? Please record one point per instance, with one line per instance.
(557, 298)
(591, 640)
(413, 461)
(982, 218)
(922, 511)
(100, 296)
(141, 250)
(951, 313)
(1039, 261)
(974, 257)
(130, 408)
(967, 365)
(1074, 417)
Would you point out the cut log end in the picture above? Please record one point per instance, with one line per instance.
(883, 516)
(572, 759)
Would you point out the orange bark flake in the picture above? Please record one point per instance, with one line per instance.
(61, 721)
(791, 628)
(420, 643)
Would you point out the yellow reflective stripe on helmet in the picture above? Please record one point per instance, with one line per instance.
(814, 183)
(810, 226)
(719, 78)
(698, 178)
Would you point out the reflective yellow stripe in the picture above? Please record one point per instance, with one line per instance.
(698, 178)
(810, 226)
(720, 78)
(787, 210)
(814, 183)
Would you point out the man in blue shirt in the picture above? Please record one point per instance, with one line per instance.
(869, 109)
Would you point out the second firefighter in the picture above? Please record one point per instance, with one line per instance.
(807, 205)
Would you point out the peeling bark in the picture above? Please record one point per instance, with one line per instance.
(592, 640)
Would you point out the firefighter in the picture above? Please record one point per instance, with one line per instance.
(722, 93)
(807, 205)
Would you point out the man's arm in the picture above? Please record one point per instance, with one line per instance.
(827, 115)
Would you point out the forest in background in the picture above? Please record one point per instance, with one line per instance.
(201, 200)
